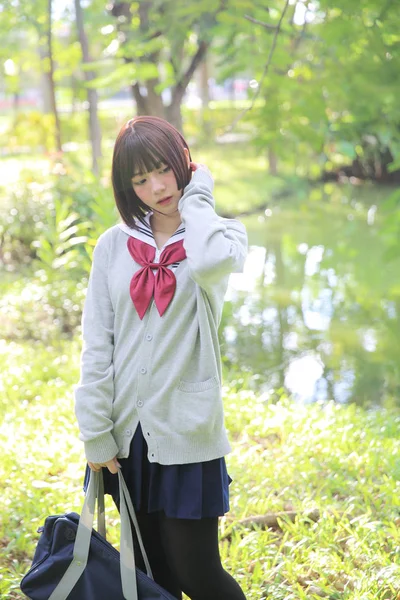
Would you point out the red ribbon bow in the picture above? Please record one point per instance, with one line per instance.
(144, 284)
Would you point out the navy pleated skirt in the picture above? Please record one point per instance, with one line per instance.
(191, 491)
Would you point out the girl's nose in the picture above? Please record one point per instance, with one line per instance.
(157, 184)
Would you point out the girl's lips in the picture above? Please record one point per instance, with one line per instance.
(165, 201)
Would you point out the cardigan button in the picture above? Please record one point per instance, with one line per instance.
(128, 432)
(149, 337)
(143, 370)
(139, 403)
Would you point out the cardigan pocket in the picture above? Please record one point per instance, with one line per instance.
(198, 386)
(198, 410)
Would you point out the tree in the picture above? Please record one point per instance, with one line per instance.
(330, 96)
(163, 44)
(49, 72)
(94, 126)
(37, 17)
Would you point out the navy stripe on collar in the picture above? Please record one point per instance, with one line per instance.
(145, 233)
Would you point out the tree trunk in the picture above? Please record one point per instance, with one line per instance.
(154, 100)
(273, 162)
(74, 94)
(178, 92)
(15, 103)
(154, 103)
(204, 91)
(50, 77)
(45, 86)
(205, 97)
(141, 106)
(151, 103)
(174, 115)
(94, 125)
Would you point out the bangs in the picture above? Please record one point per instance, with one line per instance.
(138, 156)
(143, 156)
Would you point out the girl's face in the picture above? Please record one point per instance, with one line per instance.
(158, 189)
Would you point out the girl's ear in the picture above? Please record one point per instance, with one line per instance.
(186, 151)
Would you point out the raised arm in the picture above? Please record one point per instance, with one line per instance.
(95, 390)
(215, 247)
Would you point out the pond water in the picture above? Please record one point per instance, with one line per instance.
(317, 310)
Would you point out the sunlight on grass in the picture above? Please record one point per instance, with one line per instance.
(10, 168)
(341, 460)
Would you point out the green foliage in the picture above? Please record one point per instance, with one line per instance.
(23, 207)
(62, 232)
(35, 131)
(45, 306)
(45, 217)
(123, 74)
(330, 80)
(44, 251)
(30, 130)
(198, 123)
(329, 96)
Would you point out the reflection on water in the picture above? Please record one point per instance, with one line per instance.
(316, 310)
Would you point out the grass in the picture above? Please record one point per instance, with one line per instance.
(341, 460)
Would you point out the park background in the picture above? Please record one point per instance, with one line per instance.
(294, 106)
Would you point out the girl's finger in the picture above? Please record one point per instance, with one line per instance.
(115, 462)
(94, 467)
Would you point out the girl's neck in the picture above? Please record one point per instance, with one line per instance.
(165, 223)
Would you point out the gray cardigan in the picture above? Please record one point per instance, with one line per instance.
(162, 371)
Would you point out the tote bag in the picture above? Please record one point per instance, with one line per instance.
(72, 561)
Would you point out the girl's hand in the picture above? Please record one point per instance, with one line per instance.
(112, 465)
(195, 166)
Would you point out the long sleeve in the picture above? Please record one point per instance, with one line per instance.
(215, 247)
(95, 390)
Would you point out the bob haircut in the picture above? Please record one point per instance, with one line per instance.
(143, 144)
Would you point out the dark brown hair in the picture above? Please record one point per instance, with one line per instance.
(142, 145)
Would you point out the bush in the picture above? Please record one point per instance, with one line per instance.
(40, 206)
(49, 228)
(30, 130)
(42, 307)
(23, 212)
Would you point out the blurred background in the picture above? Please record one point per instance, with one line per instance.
(294, 107)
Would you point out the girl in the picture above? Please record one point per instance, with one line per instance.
(149, 396)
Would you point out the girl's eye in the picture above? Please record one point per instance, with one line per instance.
(143, 181)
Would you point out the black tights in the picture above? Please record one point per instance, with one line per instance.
(184, 557)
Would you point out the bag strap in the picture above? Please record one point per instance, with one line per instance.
(95, 491)
(101, 512)
(123, 489)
